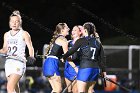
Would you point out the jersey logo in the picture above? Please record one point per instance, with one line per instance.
(93, 52)
(18, 69)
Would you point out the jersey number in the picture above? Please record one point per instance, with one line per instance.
(14, 48)
(93, 52)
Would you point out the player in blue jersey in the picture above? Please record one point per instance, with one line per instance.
(71, 68)
(57, 47)
(91, 59)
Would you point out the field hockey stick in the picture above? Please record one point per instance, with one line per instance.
(64, 91)
(12, 57)
(40, 56)
(124, 88)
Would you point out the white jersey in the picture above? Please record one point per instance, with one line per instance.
(16, 44)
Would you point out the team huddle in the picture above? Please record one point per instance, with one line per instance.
(83, 56)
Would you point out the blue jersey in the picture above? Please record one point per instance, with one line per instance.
(91, 58)
(51, 64)
(91, 53)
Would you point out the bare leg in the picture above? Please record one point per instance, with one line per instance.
(81, 86)
(56, 84)
(51, 82)
(12, 82)
(17, 89)
(67, 83)
(74, 87)
(90, 87)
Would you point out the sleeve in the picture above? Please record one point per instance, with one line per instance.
(75, 47)
(102, 59)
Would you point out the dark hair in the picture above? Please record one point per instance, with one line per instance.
(57, 31)
(90, 28)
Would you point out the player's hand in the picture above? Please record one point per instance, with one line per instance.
(62, 60)
(104, 74)
(96, 34)
(31, 60)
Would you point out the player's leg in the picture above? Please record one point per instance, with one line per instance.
(13, 80)
(67, 84)
(51, 83)
(56, 84)
(81, 86)
(74, 87)
(90, 87)
(17, 88)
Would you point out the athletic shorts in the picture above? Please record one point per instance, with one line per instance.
(51, 66)
(14, 67)
(88, 74)
(69, 71)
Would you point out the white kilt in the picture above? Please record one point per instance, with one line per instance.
(14, 67)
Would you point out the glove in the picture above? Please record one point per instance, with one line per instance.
(3, 55)
(31, 60)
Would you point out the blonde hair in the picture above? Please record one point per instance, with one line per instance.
(16, 13)
(56, 33)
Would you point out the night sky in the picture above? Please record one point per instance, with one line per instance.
(117, 21)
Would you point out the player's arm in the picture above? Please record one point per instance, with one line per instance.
(102, 60)
(28, 42)
(4, 48)
(64, 44)
(97, 36)
(75, 47)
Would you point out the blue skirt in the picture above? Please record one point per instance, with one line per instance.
(88, 74)
(69, 71)
(51, 67)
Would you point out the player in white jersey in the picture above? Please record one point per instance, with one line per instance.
(15, 42)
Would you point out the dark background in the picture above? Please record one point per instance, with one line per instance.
(117, 21)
